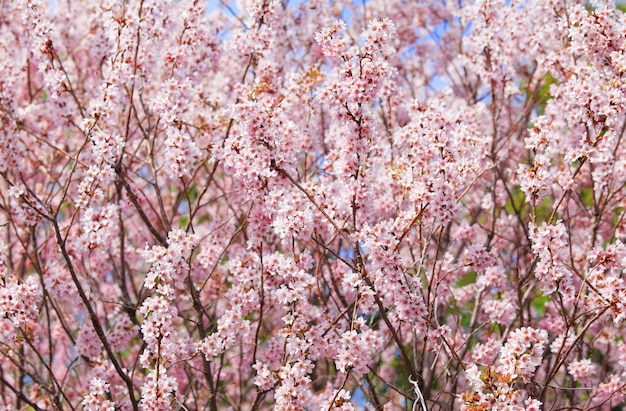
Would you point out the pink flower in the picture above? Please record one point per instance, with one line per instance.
(583, 370)
(332, 39)
(96, 399)
(159, 391)
(88, 344)
(523, 353)
(18, 300)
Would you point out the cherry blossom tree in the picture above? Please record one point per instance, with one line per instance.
(315, 205)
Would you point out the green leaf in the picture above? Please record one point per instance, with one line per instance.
(467, 279)
(192, 193)
(543, 211)
(617, 216)
(544, 94)
(539, 304)
(587, 197)
(519, 199)
(466, 319)
(495, 328)
(597, 356)
(183, 221)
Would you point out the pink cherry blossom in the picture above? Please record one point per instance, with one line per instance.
(312, 205)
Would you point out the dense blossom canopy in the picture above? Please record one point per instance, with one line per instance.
(313, 205)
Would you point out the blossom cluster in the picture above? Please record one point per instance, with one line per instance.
(495, 386)
(299, 205)
(18, 300)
